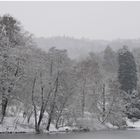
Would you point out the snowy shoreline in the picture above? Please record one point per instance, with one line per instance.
(60, 132)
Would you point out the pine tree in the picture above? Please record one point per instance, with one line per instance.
(127, 73)
(110, 60)
(127, 76)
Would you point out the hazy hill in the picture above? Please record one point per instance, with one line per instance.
(81, 47)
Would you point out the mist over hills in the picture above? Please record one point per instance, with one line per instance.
(78, 48)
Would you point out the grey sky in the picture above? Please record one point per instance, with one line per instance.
(94, 20)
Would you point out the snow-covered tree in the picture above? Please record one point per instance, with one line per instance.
(11, 39)
(115, 113)
(127, 75)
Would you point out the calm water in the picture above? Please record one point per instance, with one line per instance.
(110, 134)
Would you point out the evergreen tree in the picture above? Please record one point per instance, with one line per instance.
(127, 76)
(127, 73)
(110, 60)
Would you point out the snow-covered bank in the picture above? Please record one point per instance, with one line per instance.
(18, 124)
(135, 125)
(12, 124)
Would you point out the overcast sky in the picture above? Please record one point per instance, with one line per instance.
(94, 20)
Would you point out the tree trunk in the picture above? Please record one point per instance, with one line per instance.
(53, 105)
(60, 113)
(28, 118)
(83, 98)
(104, 109)
(37, 129)
(41, 115)
(4, 107)
(49, 122)
(35, 109)
(36, 125)
(57, 121)
(50, 117)
(83, 103)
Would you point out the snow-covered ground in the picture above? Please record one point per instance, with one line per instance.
(136, 124)
(17, 123)
(14, 124)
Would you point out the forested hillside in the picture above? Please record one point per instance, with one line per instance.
(83, 46)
